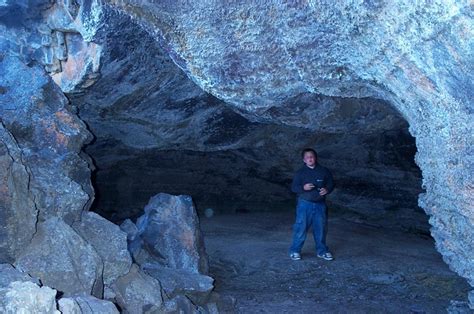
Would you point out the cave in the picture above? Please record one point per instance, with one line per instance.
(109, 108)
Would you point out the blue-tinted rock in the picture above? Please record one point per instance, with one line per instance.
(63, 260)
(170, 232)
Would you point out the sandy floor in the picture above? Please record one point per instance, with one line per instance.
(375, 269)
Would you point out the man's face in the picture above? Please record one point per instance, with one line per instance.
(309, 159)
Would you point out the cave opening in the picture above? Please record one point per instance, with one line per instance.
(157, 131)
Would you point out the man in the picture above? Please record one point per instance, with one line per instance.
(312, 183)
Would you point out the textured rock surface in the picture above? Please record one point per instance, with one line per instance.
(176, 282)
(108, 241)
(170, 232)
(49, 138)
(27, 297)
(136, 292)
(179, 304)
(17, 209)
(9, 274)
(86, 305)
(61, 259)
(261, 58)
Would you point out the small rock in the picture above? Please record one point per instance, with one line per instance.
(179, 304)
(86, 305)
(385, 279)
(137, 292)
(27, 297)
(130, 229)
(196, 287)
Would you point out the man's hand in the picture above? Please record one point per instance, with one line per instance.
(308, 186)
(323, 191)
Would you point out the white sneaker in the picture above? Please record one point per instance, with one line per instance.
(327, 256)
(295, 256)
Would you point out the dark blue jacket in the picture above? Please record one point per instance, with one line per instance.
(320, 176)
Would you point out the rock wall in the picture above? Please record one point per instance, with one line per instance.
(261, 59)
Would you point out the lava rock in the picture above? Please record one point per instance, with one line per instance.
(18, 213)
(9, 274)
(61, 259)
(27, 297)
(179, 304)
(50, 137)
(108, 241)
(130, 229)
(86, 305)
(137, 292)
(170, 232)
(175, 282)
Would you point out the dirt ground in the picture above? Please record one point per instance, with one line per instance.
(376, 269)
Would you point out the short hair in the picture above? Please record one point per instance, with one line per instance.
(309, 150)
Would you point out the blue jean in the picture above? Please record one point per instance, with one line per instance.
(310, 214)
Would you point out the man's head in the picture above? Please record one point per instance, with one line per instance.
(310, 157)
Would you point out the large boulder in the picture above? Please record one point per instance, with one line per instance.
(136, 292)
(61, 259)
(27, 297)
(108, 241)
(170, 232)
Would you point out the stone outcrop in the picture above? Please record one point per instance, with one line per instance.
(49, 139)
(63, 260)
(17, 207)
(170, 233)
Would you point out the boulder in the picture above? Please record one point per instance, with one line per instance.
(170, 232)
(9, 274)
(86, 305)
(108, 241)
(175, 282)
(136, 292)
(27, 297)
(60, 258)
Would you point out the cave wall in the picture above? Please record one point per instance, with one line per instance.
(258, 59)
(418, 56)
(156, 130)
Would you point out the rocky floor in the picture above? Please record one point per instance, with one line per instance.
(375, 269)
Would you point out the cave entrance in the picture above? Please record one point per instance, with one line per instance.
(156, 131)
